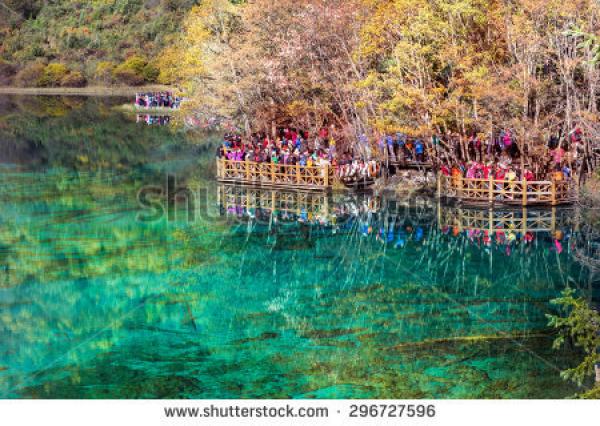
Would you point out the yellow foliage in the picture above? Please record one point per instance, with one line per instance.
(184, 61)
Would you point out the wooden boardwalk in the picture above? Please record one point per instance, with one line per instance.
(522, 193)
(275, 175)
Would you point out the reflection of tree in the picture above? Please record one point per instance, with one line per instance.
(374, 317)
(70, 226)
(81, 278)
(83, 135)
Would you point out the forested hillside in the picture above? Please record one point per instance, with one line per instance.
(422, 67)
(74, 42)
(365, 66)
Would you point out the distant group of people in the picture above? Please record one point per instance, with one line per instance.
(157, 100)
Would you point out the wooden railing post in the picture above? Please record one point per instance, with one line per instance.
(326, 177)
(273, 172)
(490, 189)
(524, 192)
(553, 190)
(297, 174)
(439, 185)
(247, 165)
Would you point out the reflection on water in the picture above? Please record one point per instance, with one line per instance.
(153, 120)
(279, 295)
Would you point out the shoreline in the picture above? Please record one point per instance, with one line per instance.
(83, 91)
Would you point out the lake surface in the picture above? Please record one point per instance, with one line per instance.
(127, 272)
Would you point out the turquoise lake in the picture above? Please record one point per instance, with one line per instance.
(126, 271)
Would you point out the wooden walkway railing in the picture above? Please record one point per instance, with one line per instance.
(524, 193)
(313, 204)
(276, 175)
(514, 220)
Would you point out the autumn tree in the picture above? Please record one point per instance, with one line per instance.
(423, 67)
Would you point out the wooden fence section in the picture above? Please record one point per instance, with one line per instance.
(275, 175)
(524, 193)
(291, 203)
(518, 220)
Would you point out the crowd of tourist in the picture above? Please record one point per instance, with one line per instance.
(500, 158)
(157, 100)
(295, 147)
(497, 157)
(504, 171)
(400, 148)
(507, 171)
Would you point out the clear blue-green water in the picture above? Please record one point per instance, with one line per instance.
(363, 297)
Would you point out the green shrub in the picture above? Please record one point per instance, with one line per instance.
(72, 31)
(73, 79)
(53, 75)
(132, 71)
(28, 53)
(150, 73)
(30, 74)
(38, 51)
(104, 72)
(134, 63)
(127, 7)
(77, 41)
(129, 77)
(7, 72)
